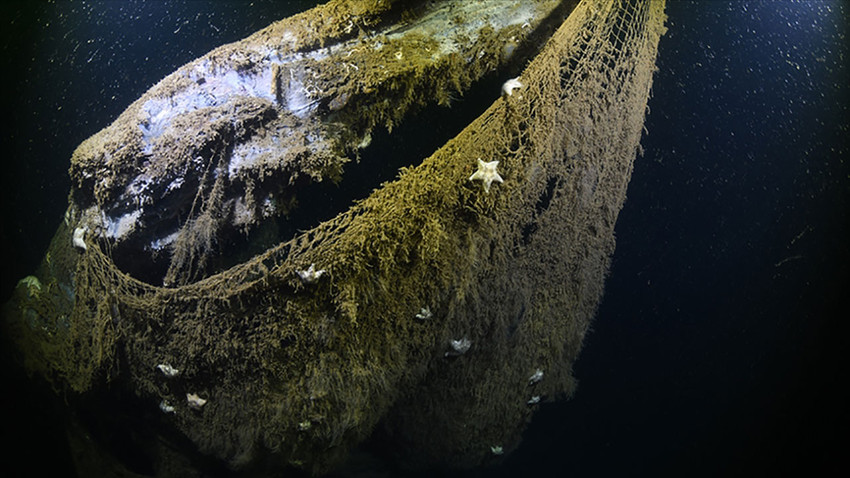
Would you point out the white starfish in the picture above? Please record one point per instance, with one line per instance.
(509, 86)
(487, 174)
(311, 275)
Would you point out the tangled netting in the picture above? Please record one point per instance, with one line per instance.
(444, 315)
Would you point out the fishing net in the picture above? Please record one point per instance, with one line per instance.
(435, 312)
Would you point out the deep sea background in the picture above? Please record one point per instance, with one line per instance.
(718, 349)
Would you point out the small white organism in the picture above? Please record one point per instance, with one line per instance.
(311, 275)
(424, 313)
(195, 401)
(509, 86)
(80, 237)
(168, 370)
(497, 450)
(535, 377)
(459, 347)
(166, 407)
(487, 173)
(534, 400)
(32, 285)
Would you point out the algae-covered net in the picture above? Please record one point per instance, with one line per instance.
(440, 310)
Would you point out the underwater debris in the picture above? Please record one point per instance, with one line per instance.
(228, 145)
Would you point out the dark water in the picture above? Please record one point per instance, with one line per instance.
(719, 346)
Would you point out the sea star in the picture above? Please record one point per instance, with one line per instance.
(487, 174)
(509, 86)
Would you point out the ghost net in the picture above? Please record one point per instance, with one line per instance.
(431, 312)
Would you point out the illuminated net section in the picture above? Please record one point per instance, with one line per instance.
(444, 314)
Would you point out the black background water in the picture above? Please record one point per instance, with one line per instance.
(719, 346)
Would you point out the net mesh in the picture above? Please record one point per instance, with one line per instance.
(301, 371)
